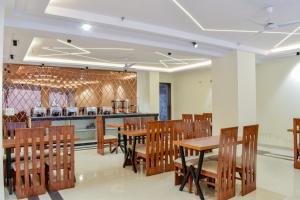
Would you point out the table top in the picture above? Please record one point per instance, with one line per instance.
(115, 125)
(201, 144)
(290, 130)
(133, 133)
(11, 143)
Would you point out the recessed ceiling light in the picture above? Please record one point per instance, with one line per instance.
(86, 27)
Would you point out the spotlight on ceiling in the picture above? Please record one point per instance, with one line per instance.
(86, 27)
(12, 56)
(298, 53)
(195, 44)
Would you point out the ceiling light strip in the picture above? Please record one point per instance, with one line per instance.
(285, 48)
(189, 15)
(95, 48)
(72, 45)
(172, 58)
(164, 64)
(287, 37)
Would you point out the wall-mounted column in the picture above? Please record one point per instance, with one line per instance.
(154, 91)
(148, 91)
(234, 90)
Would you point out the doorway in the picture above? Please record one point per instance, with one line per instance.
(165, 101)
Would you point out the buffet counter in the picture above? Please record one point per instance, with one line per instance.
(81, 117)
(85, 125)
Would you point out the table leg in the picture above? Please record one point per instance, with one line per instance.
(184, 169)
(196, 176)
(9, 170)
(126, 152)
(119, 140)
(133, 155)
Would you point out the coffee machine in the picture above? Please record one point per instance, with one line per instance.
(125, 106)
(116, 106)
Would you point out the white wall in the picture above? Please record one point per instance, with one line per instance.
(278, 99)
(192, 92)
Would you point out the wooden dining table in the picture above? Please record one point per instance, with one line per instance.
(9, 145)
(129, 155)
(202, 145)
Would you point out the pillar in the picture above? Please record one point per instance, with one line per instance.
(233, 90)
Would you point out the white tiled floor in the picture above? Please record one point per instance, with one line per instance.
(102, 177)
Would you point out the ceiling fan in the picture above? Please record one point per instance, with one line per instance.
(270, 25)
(127, 66)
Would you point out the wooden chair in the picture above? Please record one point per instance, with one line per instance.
(10, 127)
(198, 117)
(158, 152)
(183, 130)
(145, 121)
(187, 117)
(246, 165)
(296, 133)
(60, 164)
(223, 171)
(202, 129)
(208, 117)
(134, 123)
(104, 139)
(29, 173)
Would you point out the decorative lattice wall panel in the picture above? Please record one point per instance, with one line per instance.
(26, 86)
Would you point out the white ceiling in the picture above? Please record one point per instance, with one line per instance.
(149, 27)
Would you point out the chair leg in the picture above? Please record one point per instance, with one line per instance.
(190, 183)
(117, 147)
(178, 178)
(110, 147)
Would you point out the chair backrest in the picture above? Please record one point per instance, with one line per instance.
(132, 123)
(30, 173)
(100, 135)
(145, 121)
(198, 117)
(296, 133)
(187, 117)
(182, 130)
(249, 154)
(202, 129)
(178, 134)
(227, 163)
(208, 117)
(159, 147)
(10, 128)
(61, 157)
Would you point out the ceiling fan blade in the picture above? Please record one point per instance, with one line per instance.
(288, 24)
(256, 22)
(130, 65)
